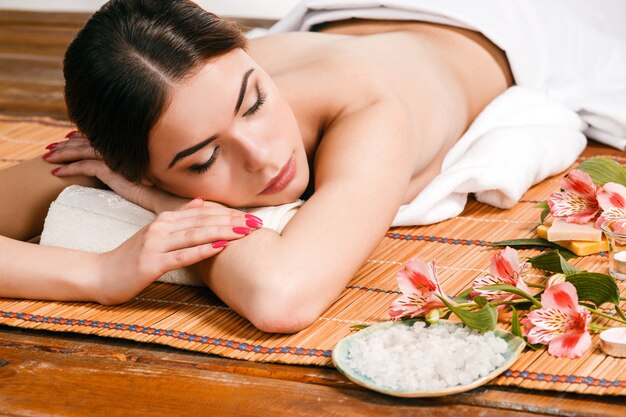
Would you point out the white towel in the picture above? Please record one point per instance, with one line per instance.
(98, 221)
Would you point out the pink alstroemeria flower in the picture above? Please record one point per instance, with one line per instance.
(612, 199)
(577, 203)
(419, 284)
(505, 269)
(560, 323)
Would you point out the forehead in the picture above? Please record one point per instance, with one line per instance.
(198, 103)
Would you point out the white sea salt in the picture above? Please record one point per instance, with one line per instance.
(420, 358)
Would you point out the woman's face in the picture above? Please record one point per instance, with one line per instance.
(229, 136)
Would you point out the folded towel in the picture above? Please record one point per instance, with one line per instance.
(98, 221)
(574, 51)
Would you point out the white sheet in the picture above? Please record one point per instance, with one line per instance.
(573, 51)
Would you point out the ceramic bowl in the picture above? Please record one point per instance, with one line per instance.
(515, 345)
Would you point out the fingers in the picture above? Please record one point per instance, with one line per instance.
(189, 256)
(89, 167)
(77, 147)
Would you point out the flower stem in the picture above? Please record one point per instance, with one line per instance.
(606, 316)
(596, 328)
(518, 301)
(530, 284)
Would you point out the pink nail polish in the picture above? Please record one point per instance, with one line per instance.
(219, 244)
(46, 156)
(71, 134)
(52, 146)
(254, 223)
(55, 170)
(241, 230)
(253, 217)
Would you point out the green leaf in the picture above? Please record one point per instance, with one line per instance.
(603, 170)
(359, 326)
(545, 210)
(516, 328)
(550, 261)
(463, 296)
(566, 267)
(483, 320)
(544, 214)
(512, 290)
(595, 287)
(528, 243)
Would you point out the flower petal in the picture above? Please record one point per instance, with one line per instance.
(554, 320)
(579, 182)
(415, 275)
(505, 265)
(560, 296)
(402, 307)
(538, 335)
(571, 344)
(612, 195)
(573, 207)
(490, 295)
(611, 214)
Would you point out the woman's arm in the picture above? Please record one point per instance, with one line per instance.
(26, 191)
(282, 283)
(173, 240)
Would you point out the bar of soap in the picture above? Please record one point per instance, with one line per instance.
(579, 247)
(561, 230)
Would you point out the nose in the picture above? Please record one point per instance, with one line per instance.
(254, 151)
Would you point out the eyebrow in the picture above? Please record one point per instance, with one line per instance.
(195, 148)
(242, 91)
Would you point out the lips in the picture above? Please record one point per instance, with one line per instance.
(285, 175)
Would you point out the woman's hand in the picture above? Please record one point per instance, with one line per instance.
(175, 239)
(80, 158)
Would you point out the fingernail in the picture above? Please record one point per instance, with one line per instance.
(252, 216)
(55, 170)
(241, 230)
(220, 244)
(46, 156)
(71, 134)
(199, 198)
(254, 223)
(52, 146)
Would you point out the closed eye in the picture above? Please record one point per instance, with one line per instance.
(262, 96)
(202, 168)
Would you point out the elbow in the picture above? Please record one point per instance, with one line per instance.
(283, 311)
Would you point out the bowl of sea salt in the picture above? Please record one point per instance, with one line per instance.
(410, 358)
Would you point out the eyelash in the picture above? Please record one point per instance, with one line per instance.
(202, 168)
(255, 108)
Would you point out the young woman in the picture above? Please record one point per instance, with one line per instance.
(172, 103)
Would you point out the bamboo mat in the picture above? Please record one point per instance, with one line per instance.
(193, 318)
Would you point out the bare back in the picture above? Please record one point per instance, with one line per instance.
(443, 76)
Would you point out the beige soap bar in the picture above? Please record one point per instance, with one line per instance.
(579, 247)
(561, 230)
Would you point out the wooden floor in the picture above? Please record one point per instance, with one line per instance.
(52, 374)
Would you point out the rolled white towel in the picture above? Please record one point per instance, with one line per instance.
(98, 221)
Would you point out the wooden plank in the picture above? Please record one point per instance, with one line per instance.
(47, 380)
(37, 364)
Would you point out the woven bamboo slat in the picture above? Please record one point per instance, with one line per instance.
(195, 319)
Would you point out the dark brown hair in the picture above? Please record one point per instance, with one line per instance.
(120, 68)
